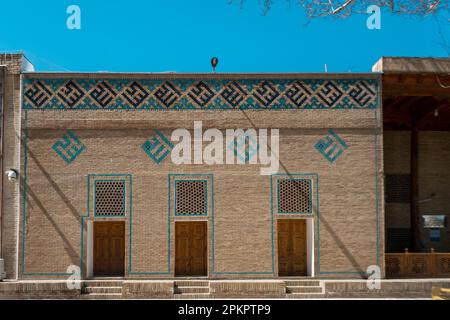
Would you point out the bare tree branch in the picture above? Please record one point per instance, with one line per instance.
(345, 8)
(434, 6)
(342, 7)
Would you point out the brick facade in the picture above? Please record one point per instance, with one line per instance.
(51, 206)
(10, 196)
(347, 220)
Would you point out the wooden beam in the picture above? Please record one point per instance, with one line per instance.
(420, 78)
(399, 90)
(415, 85)
(399, 111)
(399, 119)
(394, 103)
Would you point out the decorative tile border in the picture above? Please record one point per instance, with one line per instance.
(199, 94)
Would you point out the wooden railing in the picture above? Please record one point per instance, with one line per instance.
(418, 265)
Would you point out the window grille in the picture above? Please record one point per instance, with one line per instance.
(294, 196)
(191, 198)
(109, 198)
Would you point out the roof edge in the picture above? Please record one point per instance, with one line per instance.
(410, 65)
(204, 75)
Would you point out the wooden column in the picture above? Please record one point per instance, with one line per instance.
(414, 167)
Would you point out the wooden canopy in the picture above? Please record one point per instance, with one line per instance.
(416, 100)
(416, 97)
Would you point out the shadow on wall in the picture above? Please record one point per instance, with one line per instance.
(322, 220)
(30, 195)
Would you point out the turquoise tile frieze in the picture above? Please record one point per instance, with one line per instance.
(199, 94)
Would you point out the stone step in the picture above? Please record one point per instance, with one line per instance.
(305, 295)
(191, 283)
(102, 290)
(102, 296)
(191, 289)
(303, 289)
(103, 283)
(304, 283)
(191, 296)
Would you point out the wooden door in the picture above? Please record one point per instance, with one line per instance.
(284, 255)
(292, 257)
(191, 248)
(109, 248)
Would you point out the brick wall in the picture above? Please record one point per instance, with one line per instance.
(244, 246)
(10, 196)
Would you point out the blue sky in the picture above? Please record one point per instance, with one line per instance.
(182, 36)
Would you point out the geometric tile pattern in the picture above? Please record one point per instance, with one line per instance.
(191, 197)
(158, 147)
(199, 94)
(244, 147)
(69, 147)
(331, 147)
(109, 198)
(294, 196)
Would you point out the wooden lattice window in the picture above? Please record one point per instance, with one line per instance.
(294, 196)
(398, 188)
(191, 197)
(110, 198)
